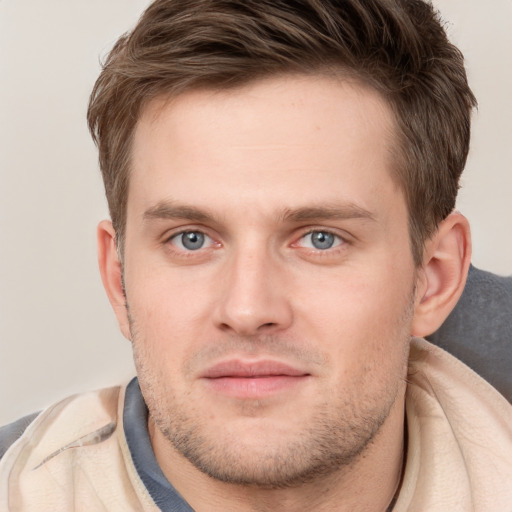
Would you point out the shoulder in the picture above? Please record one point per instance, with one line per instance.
(75, 447)
(73, 417)
(13, 431)
(459, 437)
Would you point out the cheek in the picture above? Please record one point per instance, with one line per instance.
(362, 319)
(169, 313)
(356, 301)
(162, 294)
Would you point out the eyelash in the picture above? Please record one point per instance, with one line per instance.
(341, 242)
(183, 251)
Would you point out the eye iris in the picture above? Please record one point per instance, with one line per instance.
(192, 240)
(321, 240)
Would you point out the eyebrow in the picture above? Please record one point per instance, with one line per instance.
(328, 212)
(171, 210)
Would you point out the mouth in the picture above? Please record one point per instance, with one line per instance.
(253, 379)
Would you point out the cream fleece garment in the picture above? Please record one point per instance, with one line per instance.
(459, 455)
(74, 456)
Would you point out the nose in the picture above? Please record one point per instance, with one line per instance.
(254, 295)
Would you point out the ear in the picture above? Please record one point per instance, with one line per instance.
(443, 275)
(111, 274)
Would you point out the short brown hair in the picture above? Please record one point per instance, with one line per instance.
(399, 47)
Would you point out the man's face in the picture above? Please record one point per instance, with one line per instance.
(268, 276)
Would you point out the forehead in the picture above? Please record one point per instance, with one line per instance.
(273, 143)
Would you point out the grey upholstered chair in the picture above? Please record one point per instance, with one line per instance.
(479, 329)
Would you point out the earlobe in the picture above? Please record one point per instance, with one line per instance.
(112, 275)
(443, 275)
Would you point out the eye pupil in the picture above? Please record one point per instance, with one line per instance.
(192, 240)
(322, 240)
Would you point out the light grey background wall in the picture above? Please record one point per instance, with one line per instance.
(57, 332)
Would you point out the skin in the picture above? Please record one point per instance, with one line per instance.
(273, 369)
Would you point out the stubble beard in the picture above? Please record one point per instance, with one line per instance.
(327, 446)
(337, 433)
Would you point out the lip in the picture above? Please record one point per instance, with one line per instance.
(247, 369)
(253, 379)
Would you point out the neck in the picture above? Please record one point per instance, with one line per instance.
(369, 483)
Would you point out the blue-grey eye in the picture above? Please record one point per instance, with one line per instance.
(190, 240)
(321, 240)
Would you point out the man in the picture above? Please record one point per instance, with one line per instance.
(281, 178)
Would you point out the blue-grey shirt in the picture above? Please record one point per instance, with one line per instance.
(137, 436)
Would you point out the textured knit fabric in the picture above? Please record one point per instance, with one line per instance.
(75, 455)
(479, 330)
